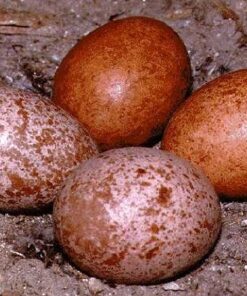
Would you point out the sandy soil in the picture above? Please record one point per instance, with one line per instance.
(34, 36)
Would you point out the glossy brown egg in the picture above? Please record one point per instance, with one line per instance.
(210, 129)
(40, 144)
(123, 80)
(136, 215)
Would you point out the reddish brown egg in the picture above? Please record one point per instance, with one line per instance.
(210, 129)
(40, 144)
(123, 80)
(136, 215)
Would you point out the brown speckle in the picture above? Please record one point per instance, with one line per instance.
(145, 183)
(154, 228)
(164, 195)
(140, 172)
(207, 225)
(151, 253)
(16, 180)
(115, 258)
(193, 248)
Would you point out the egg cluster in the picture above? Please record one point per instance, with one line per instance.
(122, 213)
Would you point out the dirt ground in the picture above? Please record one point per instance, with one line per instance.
(34, 36)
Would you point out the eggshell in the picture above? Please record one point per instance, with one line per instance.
(136, 215)
(123, 80)
(40, 144)
(210, 129)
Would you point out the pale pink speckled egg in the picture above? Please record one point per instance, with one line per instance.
(40, 145)
(136, 215)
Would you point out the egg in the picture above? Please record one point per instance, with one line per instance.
(123, 80)
(210, 130)
(40, 144)
(136, 215)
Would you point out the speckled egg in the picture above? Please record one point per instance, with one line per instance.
(40, 144)
(210, 130)
(123, 80)
(136, 215)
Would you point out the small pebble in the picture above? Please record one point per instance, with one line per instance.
(216, 268)
(243, 223)
(95, 286)
(172, 286)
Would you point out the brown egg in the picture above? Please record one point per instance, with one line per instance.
(40, 144)
(136, 215)
(123, 80)
(210, 129)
